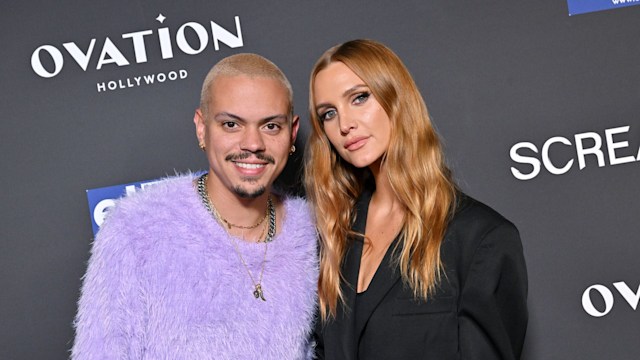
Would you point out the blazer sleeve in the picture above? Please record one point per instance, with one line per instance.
(109, 322)
(493, 304)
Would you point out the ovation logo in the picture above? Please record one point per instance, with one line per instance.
(605, 295)
(110, 54)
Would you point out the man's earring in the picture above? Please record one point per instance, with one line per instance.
(202, 147)
(292, 150)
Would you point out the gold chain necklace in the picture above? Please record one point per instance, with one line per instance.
(206, 201)
(230, 224)
(270, 230)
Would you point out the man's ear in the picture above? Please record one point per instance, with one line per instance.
(199, 121)
(295, 124)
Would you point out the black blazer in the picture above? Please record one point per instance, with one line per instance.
(478, 312)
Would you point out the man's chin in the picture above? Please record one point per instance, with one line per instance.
(245, 193)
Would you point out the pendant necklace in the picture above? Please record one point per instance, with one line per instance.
(270, 229)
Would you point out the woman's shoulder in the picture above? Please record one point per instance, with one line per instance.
(478, 233)
(475, 224)
(475, 215)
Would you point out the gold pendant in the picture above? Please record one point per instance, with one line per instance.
(258, 293)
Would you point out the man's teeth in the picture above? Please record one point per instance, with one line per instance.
(249, 166)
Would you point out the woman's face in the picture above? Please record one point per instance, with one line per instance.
(355, 123)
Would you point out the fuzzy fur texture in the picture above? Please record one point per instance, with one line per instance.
(164, 282)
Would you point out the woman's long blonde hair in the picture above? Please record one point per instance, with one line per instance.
(414, 165)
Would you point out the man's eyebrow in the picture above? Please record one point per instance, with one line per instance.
(346, 93)
(227, 115)
(282, 117)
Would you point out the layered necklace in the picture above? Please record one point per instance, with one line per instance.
(270, 228)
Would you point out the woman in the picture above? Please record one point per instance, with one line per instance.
(411, 268)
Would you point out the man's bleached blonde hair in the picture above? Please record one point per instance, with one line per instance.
(247, 64)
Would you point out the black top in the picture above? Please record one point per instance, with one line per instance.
(478, 312)
(361, 315)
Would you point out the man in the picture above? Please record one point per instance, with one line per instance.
(216, 266)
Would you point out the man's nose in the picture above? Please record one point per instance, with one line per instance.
(252, 140)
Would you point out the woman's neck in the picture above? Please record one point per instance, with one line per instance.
(384, 197)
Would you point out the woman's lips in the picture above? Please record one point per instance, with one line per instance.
(355, 143)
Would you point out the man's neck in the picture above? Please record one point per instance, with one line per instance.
(243, 211)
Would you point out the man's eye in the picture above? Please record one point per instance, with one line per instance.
(361, 98)
(327, 115)
(272, 126)
(229, 124)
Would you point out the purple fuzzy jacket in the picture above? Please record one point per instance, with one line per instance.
(164, 282)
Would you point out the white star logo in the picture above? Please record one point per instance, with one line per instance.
(161, 18)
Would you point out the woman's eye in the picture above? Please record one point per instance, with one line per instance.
(361, 98)
(327, 115)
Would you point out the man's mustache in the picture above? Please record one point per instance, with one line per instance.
(246, 155)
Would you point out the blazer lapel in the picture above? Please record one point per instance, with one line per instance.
(345, 328)
(385, 278)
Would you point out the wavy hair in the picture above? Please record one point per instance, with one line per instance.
(414, 165)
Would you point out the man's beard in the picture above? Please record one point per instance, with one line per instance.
(239, 190)
(243, 193)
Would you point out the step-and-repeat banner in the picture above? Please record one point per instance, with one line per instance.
(538, 104)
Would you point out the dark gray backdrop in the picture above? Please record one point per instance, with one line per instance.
(493, 73)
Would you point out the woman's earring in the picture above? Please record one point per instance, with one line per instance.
(292, 150)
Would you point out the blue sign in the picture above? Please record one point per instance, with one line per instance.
(101, 200)
(584, 6)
